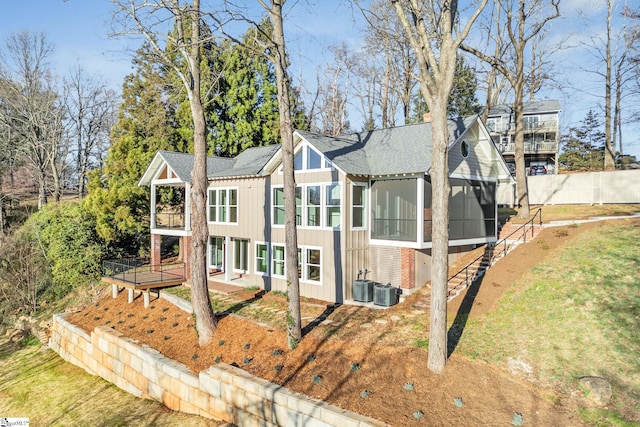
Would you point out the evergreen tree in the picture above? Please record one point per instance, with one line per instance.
(239, 98)
(583, 147)
(145, 125)
(462, 101)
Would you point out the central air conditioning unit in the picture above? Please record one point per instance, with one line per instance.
(385, 295)
(363, 290)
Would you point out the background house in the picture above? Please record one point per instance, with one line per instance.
(363, 204)
(541, 133)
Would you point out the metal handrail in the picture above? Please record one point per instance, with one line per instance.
(492, 254)
(131, 270)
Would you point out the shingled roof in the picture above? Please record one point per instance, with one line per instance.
(398, 150)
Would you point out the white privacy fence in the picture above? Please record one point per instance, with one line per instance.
(577, 188)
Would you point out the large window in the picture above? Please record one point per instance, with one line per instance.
(310, 204)
(394, 209)
(333, 205)
(277, 260)
(358, 206)
(223, 205)
(313, 206)
(531, 122)
(309, 262)
(262, 258)
(311, 265)
(241, 255)
(216, 253)
(278, 206)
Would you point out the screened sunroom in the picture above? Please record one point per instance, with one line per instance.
(401, 211)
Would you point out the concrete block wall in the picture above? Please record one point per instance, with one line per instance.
(222, 392)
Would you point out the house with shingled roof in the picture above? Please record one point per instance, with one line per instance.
(363, 207)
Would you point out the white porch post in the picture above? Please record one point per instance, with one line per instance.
(153, 206)
(227, 258)
(187, 207)
(420, 219)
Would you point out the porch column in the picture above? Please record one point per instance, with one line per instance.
(227, 258)
(156, 252)
(153, 206)
(187, 206)
(186, 246)
(420, 206)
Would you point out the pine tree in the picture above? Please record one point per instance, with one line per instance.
(462, 101)
(583, 147)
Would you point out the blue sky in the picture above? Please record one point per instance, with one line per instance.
(79, 31)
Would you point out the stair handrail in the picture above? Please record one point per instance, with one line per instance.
(491, 247)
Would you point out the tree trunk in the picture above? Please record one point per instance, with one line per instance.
(294, 327)
(518, 112)
(206, 322)
(440, 237)
(609, 149)
(42, 189)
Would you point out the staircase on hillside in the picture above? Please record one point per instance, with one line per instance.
(509, 237)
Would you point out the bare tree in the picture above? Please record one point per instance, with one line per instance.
(520, 31)
(385, 38)
(334, 91)
(149, 19)
(431, 29)
(271, 42)
(613, 52)
(31, 102)
(90, 106)
(278, 56)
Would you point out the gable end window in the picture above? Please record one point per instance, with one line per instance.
(308, 159)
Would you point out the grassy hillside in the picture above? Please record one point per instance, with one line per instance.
(576, 315)
(39, 385)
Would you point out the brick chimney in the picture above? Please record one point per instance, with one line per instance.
(426, 117)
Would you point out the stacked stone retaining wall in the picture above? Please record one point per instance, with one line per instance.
(222, 392)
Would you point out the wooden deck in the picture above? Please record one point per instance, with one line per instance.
(143, 279)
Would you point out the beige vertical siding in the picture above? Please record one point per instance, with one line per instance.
(355, 255)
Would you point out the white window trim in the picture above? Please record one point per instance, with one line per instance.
(304, 207)
(365, 218)
(305, 266)
(247, 256)
(268, 259)
(227, 206)
(273, 259)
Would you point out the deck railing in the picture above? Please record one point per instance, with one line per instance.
(139, 271)
(169, 220)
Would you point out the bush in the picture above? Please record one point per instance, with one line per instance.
(67, 236)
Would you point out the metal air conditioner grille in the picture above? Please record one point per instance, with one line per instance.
(385, 295)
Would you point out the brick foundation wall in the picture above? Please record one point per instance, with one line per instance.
(408, 268)
(222, 392)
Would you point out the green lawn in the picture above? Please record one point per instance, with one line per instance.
(576, 315)
(39, 385)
